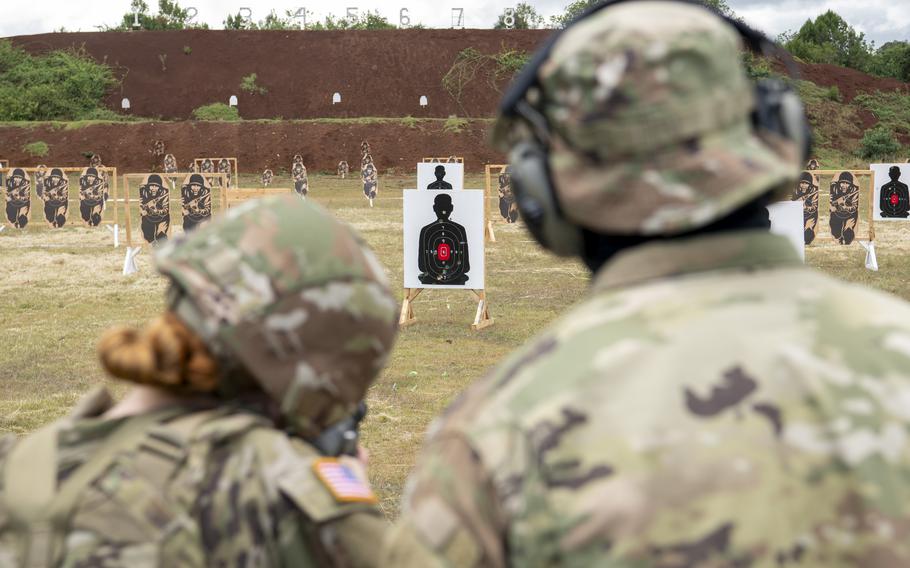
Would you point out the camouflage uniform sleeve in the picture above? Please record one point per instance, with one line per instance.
(315, 523)
(452, 515)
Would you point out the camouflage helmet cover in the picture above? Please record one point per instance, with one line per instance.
(649, 111)
(283, 290)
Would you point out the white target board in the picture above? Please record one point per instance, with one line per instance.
(433, 175)
(443, 239)
(787, 221)
(890, 196)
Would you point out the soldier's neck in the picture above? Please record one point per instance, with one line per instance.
(142, 399)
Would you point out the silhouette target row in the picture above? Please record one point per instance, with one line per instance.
(52, 188)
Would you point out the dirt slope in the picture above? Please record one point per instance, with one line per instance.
(257, 145)
(378, 73)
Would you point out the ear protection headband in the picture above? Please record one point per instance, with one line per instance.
(778, 110)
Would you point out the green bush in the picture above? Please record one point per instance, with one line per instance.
(879, 144)
(36, 149)
(216, 111)
(60, 85)
(248, 85)
(833, 94)
(891, 108)
(187, 50)
(756, 67)
(454, 125)
(409, 121)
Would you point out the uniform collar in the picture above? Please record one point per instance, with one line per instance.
(92, 405)
(716, 251)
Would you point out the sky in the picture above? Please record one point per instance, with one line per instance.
(880, 20)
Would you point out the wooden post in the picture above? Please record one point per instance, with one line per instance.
(872, 207)
(126, 202)
(488, 231)
(112, 176)
(407, 316)
(482, 317)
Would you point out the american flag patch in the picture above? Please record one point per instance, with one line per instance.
(343, 482)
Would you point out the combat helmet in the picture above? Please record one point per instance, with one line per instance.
(290, 299)
(644, 113)
(155, 179)
(197, 179)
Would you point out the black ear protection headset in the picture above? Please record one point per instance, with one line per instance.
(778, 110)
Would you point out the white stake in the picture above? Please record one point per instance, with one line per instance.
(129, 263)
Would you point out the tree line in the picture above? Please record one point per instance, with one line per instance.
(826, 39)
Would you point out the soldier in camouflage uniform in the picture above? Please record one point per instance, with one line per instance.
(278, 314)
(713, 403)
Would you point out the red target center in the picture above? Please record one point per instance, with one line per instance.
(894, 199)
(443, 252)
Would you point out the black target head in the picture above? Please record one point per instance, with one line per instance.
(894, 173)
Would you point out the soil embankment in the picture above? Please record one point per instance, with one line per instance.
(256, 144)
(381, 73)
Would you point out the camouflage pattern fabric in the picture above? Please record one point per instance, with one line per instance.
(170, 164)
(261, 298)
(224, 167)
(236, 492)
(713, 403)
(649, 107)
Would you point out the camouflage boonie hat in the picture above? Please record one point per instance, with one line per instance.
(294, 298)
(649, 108)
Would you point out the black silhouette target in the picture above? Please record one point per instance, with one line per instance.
(894, 196)
(443, 239)
(444, 257)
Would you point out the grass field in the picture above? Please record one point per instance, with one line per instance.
(59, 289)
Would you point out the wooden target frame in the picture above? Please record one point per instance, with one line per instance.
(128, 226)
(235, 167)
(492, 195)
(112, 180)
(825, 236)
(482, 317)
(445, 160)
(240, 195)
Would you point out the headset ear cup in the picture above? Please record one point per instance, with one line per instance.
(536, 201)
(778, 109)
(796, 124)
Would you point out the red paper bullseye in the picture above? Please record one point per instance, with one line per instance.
(443, 252)
(894, 199)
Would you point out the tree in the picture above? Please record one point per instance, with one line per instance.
(272, 21)
(892, 60)
(170, 16)
(576, 8)
(366, 21)
(830, 39)
(525, 18)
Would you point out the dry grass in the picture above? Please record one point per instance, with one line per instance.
(60, 289)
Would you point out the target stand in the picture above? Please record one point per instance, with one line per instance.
(444, 160)
(482, 318)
